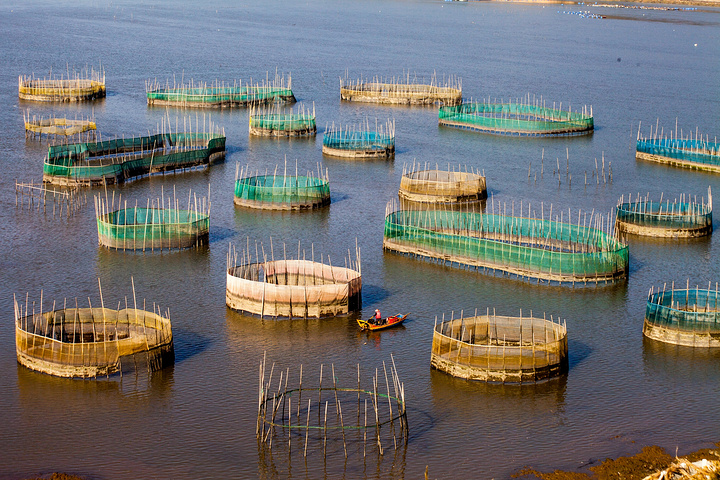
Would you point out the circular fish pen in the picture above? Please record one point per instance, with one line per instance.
(401, 91)
(83, 87)
(688, 317)
(272, 123)
(503, 349)
(160, 225)
(117, 161)
(425, 185)
(677, 219)
(694, 151)
(59, 127)
(360, 143)
(219, 94)
(282, 192)
(90, 342)
(292, 288)
(522, 119)
(328, 417)
(532, 248)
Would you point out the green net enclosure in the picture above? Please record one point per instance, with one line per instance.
(533, 248)
(274, 122)
(281, 191)
(91, 341)
(679, 149)
(292, 288)
(123, 159)
(359, 141)
(523, 118)
(688, 316)
(68, 87)
(160, 224)
(503, 349)
(427, 185)
(402, 90)
(220, 94)
(676, 219)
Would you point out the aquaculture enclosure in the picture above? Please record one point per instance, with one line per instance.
(427, 185)
(121, 159)
(371, 419)
(523, 118)
(500, 348)
(76, 87)
(281, 191)
(274, 122)
(60, 127)
(292, 288)
(691, 150)
(220, 94)
(688, 316)
(360, 142)
(402, 90)
(535, 248)
(160, 224)
(93, 341)
(679, 218)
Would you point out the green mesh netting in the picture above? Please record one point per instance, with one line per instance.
(515, 118)
(670, 215)
(285, 122)
(695, 151)
(349, 140)
(281, 189)
(120, 159)
(534, 248)
(686, 310)
(221, 95)
(152, 228)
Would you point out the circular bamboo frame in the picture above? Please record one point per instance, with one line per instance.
(286, 192)
(442, 186)
(688, 317)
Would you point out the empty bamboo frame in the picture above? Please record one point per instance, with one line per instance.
(62, 200)
(292, 288)
(92, 341)
(281, 191)
(689, 316)
(681, 218)
(546, 248)
(427, 185)
(359, 141)
(289, 416)
(59, 127)
(123, 159)
(219, 94)
(402, 90)
(159, 225)
(276, 122)
(679, 149)
(524, 117)
(75, 87)
(503, 349)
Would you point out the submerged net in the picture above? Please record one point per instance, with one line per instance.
(527, 247)
(516, 118)
(115, 161)
(500, 348)
(87, 342)
(57, 126)
(79, 87)
(402, 90)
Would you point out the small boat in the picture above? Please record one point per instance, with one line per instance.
(387, 322)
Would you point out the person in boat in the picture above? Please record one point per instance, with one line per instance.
(377, 318)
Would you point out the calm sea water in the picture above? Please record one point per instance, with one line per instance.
(197, 418)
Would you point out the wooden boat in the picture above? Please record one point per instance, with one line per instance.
(388, 322)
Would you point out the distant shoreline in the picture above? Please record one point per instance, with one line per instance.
(693, 3)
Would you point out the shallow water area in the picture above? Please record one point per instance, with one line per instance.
(197, 419)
